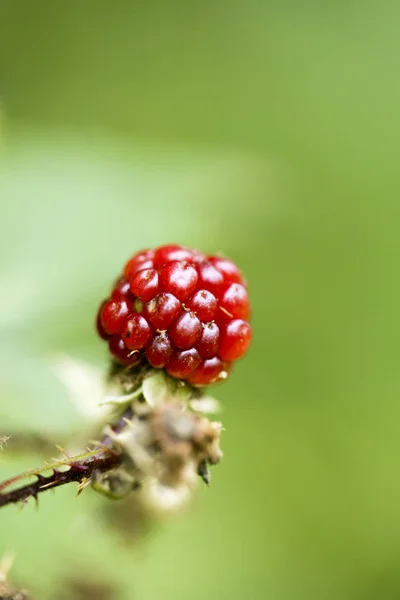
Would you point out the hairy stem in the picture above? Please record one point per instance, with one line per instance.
(76, 469)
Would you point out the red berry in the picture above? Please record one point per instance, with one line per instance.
(234, 304)
(179, 279)
(166, 254)
(180, 310)
(208, 343)
(142, 260)
(160, 350)
(121, 289)
(228, 269)
(210, 278)
(182, 364)
(99, 326)
(185, 331)
(210, 371)
(204, 304)
(145, 285)
(121, 353)
(113, 315)
(162, 310)
(235, 340)
(136, 332)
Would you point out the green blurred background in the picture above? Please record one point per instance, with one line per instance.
(266, 130)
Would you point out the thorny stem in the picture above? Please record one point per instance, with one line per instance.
(165, 429)
(75, 469)
(80, 470)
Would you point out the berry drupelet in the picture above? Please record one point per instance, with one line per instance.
(178, 309)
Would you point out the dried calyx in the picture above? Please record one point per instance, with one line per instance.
(163, 437)
(158, 443)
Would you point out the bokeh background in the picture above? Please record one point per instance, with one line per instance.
(266, 130)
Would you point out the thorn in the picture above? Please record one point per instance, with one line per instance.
(103, 447)
(61, 449)
(48, 485)
(204, 472)
(24, 502)
(84, 483)
(95, 444)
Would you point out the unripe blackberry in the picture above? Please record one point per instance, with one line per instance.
(180, 310)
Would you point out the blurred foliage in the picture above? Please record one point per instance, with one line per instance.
(267, 130)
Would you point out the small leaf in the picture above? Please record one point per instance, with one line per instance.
(156, 388)
(121, 399)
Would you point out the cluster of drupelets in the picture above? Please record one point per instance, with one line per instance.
(179, 310)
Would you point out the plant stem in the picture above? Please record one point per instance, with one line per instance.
(80, 469)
